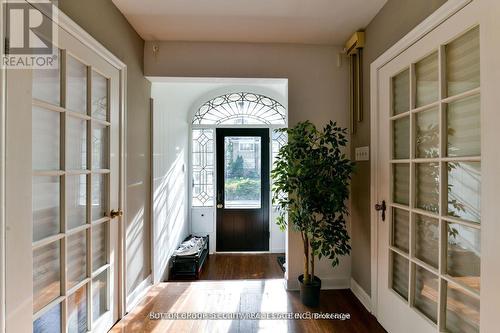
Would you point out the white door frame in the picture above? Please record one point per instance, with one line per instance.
(487, 18)
(3, 91)
(86, 39)
(430, 23)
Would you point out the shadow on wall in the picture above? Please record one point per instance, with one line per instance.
(169, 224)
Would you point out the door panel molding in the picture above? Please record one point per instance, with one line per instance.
(447, 10)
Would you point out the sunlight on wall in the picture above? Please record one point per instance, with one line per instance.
(170, 227)
(135, 251)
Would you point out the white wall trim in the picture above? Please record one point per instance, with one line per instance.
(361, 295)
(430, 23)
(134, 298)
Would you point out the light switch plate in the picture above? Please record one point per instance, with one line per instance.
(362, 153)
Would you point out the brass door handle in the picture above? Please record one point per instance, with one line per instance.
(220, 206)
(116, 213)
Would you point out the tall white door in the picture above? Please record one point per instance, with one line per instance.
(62, 183)
(430, 176)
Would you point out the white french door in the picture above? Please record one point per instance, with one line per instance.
(62, 183)
(429, 172)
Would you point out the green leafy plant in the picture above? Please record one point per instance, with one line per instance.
(242, 189)
(311, 177)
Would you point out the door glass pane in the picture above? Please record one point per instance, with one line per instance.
(46, 135)
(77, 311)
(242, 172)
(462, 63)
(427, 239)
(401, 92)
(427, 76)
(76, 151)
(99, 146)
(426, 292)
(99, 96)
(99, 295)
(76, 200)
(464, 255)
(401, 184)
(427, 134)
(464, 190)
(400, 229)
(77, 258)
(427, 186)
(99, 253)
(47, 85)
(76, 95)
(46, 209)
(99, 190)
(401, 138)
(400, 271)
(49, 322)
(462, 311)
(464, 127)
(46, 274)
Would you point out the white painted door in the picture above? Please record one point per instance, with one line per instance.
(62, 147)
(430, 176)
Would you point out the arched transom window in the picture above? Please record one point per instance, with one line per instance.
(241, 109)
(237, 109)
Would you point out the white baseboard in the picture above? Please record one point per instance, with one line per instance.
(326, 284)
(361, 294)
(138, 294)
(278, 250)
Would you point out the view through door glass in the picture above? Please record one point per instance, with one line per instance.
(242, 172)
(242, 189)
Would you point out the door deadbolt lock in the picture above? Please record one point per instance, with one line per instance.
(220, 206)
(116, 213)
(381, 207)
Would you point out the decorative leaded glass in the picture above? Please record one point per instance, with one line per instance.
(278, 141)
(203, 167)
(241, 109)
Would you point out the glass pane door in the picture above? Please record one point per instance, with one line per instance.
(242, 172)
(435, 243)
(71, 175)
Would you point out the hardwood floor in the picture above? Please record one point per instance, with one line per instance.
(244, 296)
(242, 266)
(251, 295)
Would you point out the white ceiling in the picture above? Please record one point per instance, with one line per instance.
(268, 21)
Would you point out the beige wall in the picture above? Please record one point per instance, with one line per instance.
(393, 21)
(317, 91)
(104, 22)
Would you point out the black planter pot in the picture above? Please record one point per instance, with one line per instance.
(309, 293)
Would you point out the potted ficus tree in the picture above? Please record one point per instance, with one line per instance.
(311, 177)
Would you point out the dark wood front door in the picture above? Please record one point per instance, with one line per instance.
(242, 189)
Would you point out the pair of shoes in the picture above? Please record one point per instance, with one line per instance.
(190, 247)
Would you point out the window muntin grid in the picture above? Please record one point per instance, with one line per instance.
(241, 108)
(75, 186)
(432, 156)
